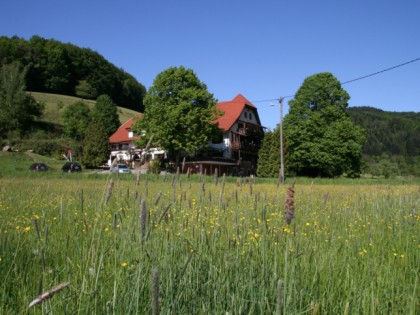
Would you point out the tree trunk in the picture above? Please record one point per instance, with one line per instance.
(177, 159)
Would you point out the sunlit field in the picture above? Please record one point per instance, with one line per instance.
(179, 245)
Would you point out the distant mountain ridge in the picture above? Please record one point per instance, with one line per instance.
(392, 140)
(66, 69)
(395, 133)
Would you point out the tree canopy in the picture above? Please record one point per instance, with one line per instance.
(393, 141)
(107, 113)
(179, 113)
(60, 68)
(18, 110)
(388, 132)
(76, 119)
(321, 139)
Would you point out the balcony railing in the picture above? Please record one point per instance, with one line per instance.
(245, 146)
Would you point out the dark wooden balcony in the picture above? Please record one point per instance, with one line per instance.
(245, 146)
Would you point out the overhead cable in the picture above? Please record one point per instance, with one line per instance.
(353, 80)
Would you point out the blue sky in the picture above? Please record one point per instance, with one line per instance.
(262, 49)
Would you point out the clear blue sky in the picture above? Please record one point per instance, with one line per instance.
(262, 49)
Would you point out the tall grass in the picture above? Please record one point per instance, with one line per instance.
(194, 245)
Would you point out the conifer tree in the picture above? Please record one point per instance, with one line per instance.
(107, 112)
(269, 155)
(95, 144)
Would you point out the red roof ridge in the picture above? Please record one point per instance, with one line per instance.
(232, 111)
(121, 134)
(242, 99)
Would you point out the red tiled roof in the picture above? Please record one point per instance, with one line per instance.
(232, 111)
(121, 135)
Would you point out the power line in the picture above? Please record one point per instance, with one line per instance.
(381, 71)
(270, 100)
(353, 80)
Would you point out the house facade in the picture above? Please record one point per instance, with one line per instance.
(235, 154)
(242, 137)
(123, 147)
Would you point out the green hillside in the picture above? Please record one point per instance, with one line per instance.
(46, 136)
(17, 163)
(392, 140)
(395, 133)
(63, 68)
(55, 105)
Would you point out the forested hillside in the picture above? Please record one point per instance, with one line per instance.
(388, 132)
(60, 68)
(392, 140)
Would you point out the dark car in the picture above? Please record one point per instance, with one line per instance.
(38, 167)
(71, 167)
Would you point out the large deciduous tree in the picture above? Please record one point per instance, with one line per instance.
(321, 139)
(18, 110)
(179, 113)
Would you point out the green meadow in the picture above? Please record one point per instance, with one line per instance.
(204, 245)
(55, 105)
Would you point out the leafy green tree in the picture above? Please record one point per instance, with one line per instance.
(57, 72)
(133, 93)
(107, 113)
(18, 110)
(179, 113)
(95, 144)
(84, 89)
(14, 49)
(76, 119)
(321, 139)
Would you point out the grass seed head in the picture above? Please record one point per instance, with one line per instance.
(143, 218)
(109, 191)
(155, 291)
(289, 205)
(48, 294)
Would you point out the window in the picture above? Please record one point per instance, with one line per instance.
(246, 115)
(250, 116)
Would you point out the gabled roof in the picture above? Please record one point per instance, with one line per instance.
(121, 135)
(232, 111)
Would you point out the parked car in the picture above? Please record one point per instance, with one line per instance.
(38, 167)
(71, 167)
(121, 169)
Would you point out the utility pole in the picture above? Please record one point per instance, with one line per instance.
(281, 173)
